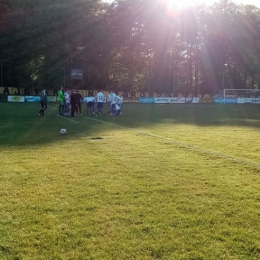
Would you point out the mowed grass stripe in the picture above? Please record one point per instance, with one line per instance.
(183, 145)
(124, 196)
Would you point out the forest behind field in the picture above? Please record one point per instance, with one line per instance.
(130, 45)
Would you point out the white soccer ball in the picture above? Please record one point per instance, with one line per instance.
(63, 131)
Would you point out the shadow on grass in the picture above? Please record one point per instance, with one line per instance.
(22, 126)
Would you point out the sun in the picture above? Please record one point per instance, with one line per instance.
(176, 4)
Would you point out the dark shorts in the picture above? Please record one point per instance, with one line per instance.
(113, 107)
(90, 104)
(100, 105)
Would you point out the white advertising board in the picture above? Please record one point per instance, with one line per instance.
(255, 100)
(192, 100)
(248, 100)
(244, 100)
(166, 100)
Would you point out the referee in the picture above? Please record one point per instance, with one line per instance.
(43, 101)
(79, 98)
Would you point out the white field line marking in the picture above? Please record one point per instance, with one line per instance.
(64, 117)
(13, 123)
(184, 145)
(68, 119)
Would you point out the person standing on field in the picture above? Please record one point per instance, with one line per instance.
(100, 98)
(89, 103)
(61, 101)
(113, 97)
(73, 102)
(119, 102)
(43, 101)
(67, 102)
(109, 98)
(79, 99)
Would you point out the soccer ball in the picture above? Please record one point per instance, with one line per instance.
(63, 131)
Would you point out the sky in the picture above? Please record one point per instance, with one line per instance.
(192, 2)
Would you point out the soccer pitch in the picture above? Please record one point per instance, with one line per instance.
(159, 182)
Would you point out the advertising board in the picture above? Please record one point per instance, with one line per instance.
(52, 99)
(255, 100)
(76, 74)
(32, 99)
(15, 98)
(248, 100)
(244, 100)
(225, 100)
(146, 100)
(166, 100)
(131, 100)
(207, 100)
(192, 100)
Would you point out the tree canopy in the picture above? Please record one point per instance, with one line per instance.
(130, 45)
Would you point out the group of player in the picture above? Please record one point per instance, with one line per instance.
(70, 102)
(114, 103)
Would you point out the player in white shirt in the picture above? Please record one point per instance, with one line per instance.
(67, 102)
(90, 103)
(113, 103)
(100, 98)
(118, 106)
(119, 100)
(109, 101)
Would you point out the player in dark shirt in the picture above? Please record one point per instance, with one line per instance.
(73, 102)
(43, 101)
(79, 98)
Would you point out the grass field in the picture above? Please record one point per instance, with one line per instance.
(164, 182)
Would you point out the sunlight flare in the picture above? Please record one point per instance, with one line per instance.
(173, 4)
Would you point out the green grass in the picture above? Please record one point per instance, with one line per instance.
(164, 182)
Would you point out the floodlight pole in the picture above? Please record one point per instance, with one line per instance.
(199, 83)
(224, 72)
(149, 72)
(224, 92)
(223, 84)
(149, 82)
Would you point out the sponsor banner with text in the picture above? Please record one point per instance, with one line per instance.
(244, 100)
(169, 100)
(192, 100)
(37, 99)
(131, 100)
(32, 99)
(146, 100)
(248, 100)
(52, 98)
(255, 100)
(15, 98)
(225, 100)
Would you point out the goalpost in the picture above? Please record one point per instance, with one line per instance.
(241, 93)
